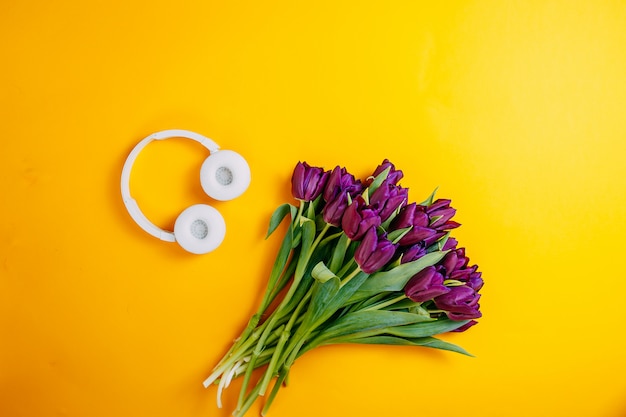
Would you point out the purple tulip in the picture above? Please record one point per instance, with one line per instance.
(307, 182)
(432, 239)
(448, 263)
(387, 198)
(394, 176)
(440, 214)
(425, 285)
(440, 203)
(413, 252)
(334, 209)
(450, 244)
(410, 215)
(462, 274)
(475, 281)
(461, 303)
(340, 181)
(449, 225)
(357, 219)
(415, 217)
(374, 251)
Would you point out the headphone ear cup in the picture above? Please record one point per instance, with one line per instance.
(200, 229)
(225, 175)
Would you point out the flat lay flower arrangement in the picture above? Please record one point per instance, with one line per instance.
(358, 263)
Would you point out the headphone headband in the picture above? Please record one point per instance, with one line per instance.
(130, 202)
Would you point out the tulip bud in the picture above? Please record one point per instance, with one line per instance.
(307, 182)
(440, 213)
(448, 263)
(388, 198)
(357, 219)
(415, 217)
(461, 303)
(475, 281)
(341, 180)
(410, 215)
(425, 285)
(450, 244)
(334, 209)
(374, 252)
(413, 252)
(394, 175)
(432, 239)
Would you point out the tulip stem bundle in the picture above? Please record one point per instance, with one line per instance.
(357, 264)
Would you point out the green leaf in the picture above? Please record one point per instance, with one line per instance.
(366, 321)
(321, 299)
(395, 235)
(324, 305)
(442, 242)
(307, 227)
(378, 180)
(433, 342)
(339, 253)
(430, 199)
(281, 259)
(310, 213)
(278, 216)
(453, 283)
(396, 278)
(425, 329)
(321, 272)
(430, 342)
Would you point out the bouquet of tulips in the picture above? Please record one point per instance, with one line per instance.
(358, 264)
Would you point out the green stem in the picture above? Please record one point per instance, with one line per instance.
(295, 316)
(271, 291)
(270, 399)
(234, 357)
(352, 275)
(241, 411)
(252, 323)
(300, 269)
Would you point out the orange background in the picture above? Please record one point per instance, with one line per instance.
(514, 109)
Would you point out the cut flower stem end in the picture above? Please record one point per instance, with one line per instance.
(358, 264)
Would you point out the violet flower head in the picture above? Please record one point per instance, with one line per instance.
(455, 265)
(434, 238)
(413, 252)
(341, 180)
(440, 214)
(335, 208)
(415, 217)
(449, 263)
(450, 244)
(307, 182)
(394, 176)
(475, 281)
(461, 303)
(388, 198)
(374, 251)
(358, 218)
(425, 285)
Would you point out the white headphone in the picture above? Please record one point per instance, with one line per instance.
(200, 228)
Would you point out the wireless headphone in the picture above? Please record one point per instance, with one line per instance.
(200, 228)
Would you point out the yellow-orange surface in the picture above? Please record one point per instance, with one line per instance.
(516, 110)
